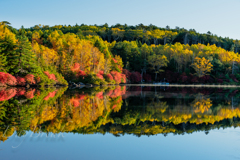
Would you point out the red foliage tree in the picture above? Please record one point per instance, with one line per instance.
(7, 79)
(38, 79)
(75, 102)
(116, 92)
(30, 79)
(101, 72)
(75, 67)
(7, 94)
(116, 76)
(50, 95)
(109, 93)
(20, 81)
(124, 90)
(99, 76)
(81, 73)
(124, 79)
(114, 60)
(80, 97)
(20, 91)
(135, 77)
(99, 95)
(114, 106)
(127, 73)
(109, 76)
(3, 78)
(30, 94)
(50, 76)
(11, 81)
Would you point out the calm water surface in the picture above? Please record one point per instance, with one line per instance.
(120, 123)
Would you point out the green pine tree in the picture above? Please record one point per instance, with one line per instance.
(26, 59)
(3, 63)
(7, 53)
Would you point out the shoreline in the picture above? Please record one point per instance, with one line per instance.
(184, 85)
(141, 85)
(162, 85)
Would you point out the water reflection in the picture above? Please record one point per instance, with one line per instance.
(117, 110)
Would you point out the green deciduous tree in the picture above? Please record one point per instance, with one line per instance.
(157, 62)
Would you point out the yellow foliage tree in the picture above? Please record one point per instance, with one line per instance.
(202, 66)
(5, 32)
(156, 35)
(202, 104)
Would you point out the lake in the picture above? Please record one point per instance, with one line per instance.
(120, 122)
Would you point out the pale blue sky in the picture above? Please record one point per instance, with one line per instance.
(221, 17)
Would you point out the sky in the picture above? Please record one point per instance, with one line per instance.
(220, 17)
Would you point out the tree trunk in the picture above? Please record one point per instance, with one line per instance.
(165, 40)
(233, 67)
(193, 58)
(185, 39)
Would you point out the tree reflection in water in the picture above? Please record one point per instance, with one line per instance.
(118, 110)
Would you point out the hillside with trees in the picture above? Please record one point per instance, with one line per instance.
(101, 55)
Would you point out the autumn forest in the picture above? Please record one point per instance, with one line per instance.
(99, 55)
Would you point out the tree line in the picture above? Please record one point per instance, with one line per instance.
(117, 54)
(150, 34)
